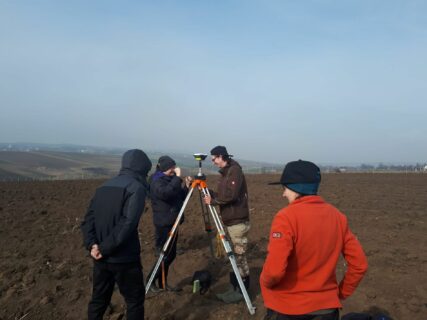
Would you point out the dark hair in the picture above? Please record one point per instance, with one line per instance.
(225, 157)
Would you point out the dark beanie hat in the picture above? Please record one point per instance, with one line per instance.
(220, 151)
(165, 163)
(301, 176)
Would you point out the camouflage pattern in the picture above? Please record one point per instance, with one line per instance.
(239, 238)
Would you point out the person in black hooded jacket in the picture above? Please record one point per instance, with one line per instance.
(110, 233)
(167, 193)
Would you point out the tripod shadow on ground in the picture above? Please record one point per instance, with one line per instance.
(255, 288)
(218, 269)
(257, 250)
(195, 306)
(194, 242)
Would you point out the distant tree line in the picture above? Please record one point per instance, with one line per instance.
(381, 167)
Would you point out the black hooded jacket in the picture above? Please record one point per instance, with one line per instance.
(112, 218)
(167, 196)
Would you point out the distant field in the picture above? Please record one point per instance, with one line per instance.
(15, 165)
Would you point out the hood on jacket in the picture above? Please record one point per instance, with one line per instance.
(136, 161)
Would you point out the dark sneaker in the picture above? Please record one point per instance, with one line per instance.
(155, 289)
(173, 289)
(234, 297)
(222, 295)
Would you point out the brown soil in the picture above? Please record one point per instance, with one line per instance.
(46, 274)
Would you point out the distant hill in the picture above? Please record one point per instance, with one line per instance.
(21, 161)
(28, 146)
(42, 165)
(43, 162)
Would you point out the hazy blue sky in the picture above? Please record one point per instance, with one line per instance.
(328, 81)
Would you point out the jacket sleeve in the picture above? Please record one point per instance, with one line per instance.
(280, 247)
(165, 191)
(128, 222)
(230, 191)
(357, 264)
(184, 192)
(88, 228)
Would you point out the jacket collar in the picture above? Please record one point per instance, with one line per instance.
(157, 175)
(308, 199)
(231, 162)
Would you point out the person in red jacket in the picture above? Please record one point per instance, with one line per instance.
(307, 237)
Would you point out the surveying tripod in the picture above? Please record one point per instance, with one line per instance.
(200, 183)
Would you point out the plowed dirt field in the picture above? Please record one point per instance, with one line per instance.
(46, 274)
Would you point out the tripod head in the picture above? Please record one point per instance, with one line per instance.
(200, 157)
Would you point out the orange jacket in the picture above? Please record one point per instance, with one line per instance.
(306, 240)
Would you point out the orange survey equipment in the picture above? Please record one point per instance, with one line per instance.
(200, 183)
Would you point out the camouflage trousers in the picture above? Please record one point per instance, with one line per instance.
(239, 238)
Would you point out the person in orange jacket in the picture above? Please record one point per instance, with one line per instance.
(307, 237)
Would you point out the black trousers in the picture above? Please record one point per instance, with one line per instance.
(273, 315)
(129, 279)
(162, 234)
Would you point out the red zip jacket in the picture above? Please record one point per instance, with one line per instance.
(306, 240)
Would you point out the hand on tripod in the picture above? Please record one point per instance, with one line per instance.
(207, 199)
(188, 181)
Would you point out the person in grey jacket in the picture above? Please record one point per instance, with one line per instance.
(110, 233)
